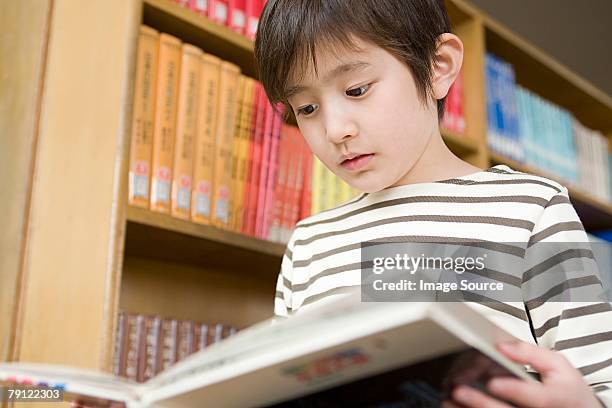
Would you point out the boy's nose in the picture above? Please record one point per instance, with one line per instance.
(339, 130)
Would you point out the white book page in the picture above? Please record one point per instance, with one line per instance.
(72, 380)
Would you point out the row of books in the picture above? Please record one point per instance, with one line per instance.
(531, 130)
(208, 146)
(147, 345)
(241, 16)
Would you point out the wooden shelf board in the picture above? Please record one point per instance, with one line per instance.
(594, 213)
(461, 145)
(163, 237)
(169, 17)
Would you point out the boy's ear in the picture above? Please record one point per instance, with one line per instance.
(447, 64)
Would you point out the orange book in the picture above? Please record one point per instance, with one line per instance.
(228, 90)
(243, 152)
(236, 150)
(256, 165)
(205, 140)
(186, 127)
(165, 121)
(143, 116)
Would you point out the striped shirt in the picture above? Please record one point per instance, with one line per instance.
(499, 204)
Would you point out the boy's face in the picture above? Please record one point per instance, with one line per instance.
(365, 123)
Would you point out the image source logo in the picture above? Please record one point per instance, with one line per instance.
(485, 271)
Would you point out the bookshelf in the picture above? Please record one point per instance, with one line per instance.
(85, 254)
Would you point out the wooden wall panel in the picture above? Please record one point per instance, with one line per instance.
(22, 59)
(73, 258)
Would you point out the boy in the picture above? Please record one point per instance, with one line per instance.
(366, 81)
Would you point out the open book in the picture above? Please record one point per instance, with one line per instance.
(376, 353)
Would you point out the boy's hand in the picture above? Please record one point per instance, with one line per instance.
(561, 384)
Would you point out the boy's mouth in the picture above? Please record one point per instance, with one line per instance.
(356, 161)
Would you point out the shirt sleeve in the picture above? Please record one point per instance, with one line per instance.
(564, 297)
(282, 298)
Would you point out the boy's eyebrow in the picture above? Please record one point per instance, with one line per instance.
(338, 70)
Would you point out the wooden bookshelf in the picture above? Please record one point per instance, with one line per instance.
(84, 254)
(161, 236)
(169, 17)
(594, 213)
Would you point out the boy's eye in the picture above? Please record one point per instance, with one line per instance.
(355, 92)
(306, 110)
(360, 90)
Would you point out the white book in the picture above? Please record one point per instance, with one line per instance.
(330, 346)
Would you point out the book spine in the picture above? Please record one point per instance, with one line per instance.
(228, 83)
(299, 179)
(460, 114)
(265, 167)
(243, 155)
(168, 354)
(292, 169)
(205, 140)
(186, 131)
(279, 189)
(135, 337)
(317, 170)
(184, 339)
(120, 348)
(256, 164)
(237, 15)
(305, 200)
(203, 337)
(165, 122)
(199, 6)
(218, 11)
(151, 347)
(237, 144)
(143, 118)
(248, 188)
(253, 11)
(273, 169)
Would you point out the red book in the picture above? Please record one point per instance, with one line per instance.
(236, 17)
(256, 168)
(265, 167)
(459, 103)
(296, 199)
(217, 11)
(199, 6)
(306, 199)
(292, 174)
(277, 120)
(280, 186)
(253, 11)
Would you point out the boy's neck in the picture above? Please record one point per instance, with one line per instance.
(436, 163)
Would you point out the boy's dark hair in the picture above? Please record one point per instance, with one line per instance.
(289, 30)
